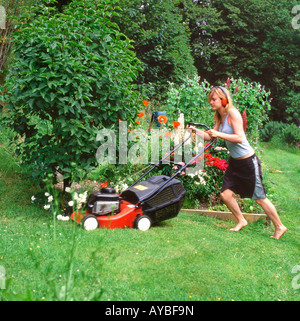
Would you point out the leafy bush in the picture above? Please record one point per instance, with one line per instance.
(291, 134)
(72, 75)
(271, 129)
(254, 98)
(292, 107)
(279, 133)
(190, 98)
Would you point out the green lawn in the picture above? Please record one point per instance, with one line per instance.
(187, 258)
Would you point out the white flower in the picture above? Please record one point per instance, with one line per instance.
(33, 198)
(62, 218)
(71, 203)
(83, 197)
(47, 194)
(79, 199)
(220, 148)
(46, 207)
(68, 189)
(201, 181)
(50, 199)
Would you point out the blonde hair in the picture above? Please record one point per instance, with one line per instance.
(221, 94)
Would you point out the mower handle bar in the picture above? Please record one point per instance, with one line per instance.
(203, 149)
(169, 154)
(198, 124)
(160, 161)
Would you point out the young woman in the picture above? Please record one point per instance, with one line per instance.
(243, 175)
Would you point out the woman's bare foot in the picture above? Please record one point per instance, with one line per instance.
(279, 231)
(239, 226)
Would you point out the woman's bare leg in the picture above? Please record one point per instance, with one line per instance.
(271, 211)
(231, 203)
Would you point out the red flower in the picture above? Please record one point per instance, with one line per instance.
(141, 114)
(176, 124)
(236, 89)
(146, 103)
(245, 120)
(228, 82)
(205, 146)
(103, 185)
(216, 162)
(209, 157)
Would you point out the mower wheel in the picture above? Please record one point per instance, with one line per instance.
(90, 222)
(143, 223)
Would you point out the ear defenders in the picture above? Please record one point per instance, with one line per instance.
(224, 100)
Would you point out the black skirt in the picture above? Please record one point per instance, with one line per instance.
(244, 177)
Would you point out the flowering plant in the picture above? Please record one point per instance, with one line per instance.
(253, 99)
(250, 98)
(77, 199)
(190, 98)
(216, 162)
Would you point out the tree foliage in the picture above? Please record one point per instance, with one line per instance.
(161, 42)
(13, 9)
(249, 39)
(72, 75)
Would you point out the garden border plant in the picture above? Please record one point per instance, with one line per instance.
(281, 133)
(190, 98)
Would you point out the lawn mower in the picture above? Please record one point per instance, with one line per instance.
(142, 204)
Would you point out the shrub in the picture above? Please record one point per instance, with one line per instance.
(72, 75)
(271, 129)
(280, 133)
(190, 98)
(291, 134)
(254, 98)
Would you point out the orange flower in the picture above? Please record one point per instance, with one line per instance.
(146, 103)
(103, 185)
(162, 119)
(141, 114)
(176, 124)
(137, 121)
(120, 120)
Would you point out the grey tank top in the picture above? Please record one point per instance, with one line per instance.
(236, 149)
